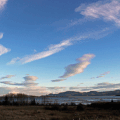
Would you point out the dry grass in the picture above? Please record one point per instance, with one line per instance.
(39, 113)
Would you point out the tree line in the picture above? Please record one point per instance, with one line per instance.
(21, 99)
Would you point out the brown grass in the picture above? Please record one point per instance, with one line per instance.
(40, 113)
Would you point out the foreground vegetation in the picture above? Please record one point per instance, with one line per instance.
(95, 111)
(22, 109)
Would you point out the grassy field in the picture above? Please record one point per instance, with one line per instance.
(57, 113)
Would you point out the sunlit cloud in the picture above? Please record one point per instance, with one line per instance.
(3, 50)
(42, 90)
(37, 90)
(79, 67)
(57, 89)
(76, 68)
(107, 10)
(29, 81)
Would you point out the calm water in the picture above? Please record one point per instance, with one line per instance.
(75, 99)
(80, 99)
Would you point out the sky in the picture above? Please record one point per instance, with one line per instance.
(53, 46)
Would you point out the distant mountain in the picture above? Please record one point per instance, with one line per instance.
(91, 93)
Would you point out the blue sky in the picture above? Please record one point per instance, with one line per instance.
(52, 46)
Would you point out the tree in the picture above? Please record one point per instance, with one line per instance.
(6, 101)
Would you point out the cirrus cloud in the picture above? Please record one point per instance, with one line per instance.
(107, 10)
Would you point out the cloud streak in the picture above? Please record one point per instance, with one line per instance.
(29, 81)
(101, 75)
(7, 76)
(58, 80)
(52, 49)
(108, 11)
(1, 35)
(13, 61)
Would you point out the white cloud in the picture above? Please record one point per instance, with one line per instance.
(3, 50)
(108, 10)
(78, 68)
(2, 4)
(1, 35)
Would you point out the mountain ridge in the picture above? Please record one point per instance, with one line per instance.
(90, 93)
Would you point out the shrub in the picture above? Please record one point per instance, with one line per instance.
(72, 104)
(65, 107)
(33, 102)
(80, 107)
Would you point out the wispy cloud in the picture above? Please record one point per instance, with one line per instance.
(13, 61)
(35, 50)
(3, 50)
(41, 90)
(1, 35)
(29, 81)
(105, 86)
(7, 76)
(2, 4)
(101, 75)
(79, 67)
(107, 10)
(58, 80)
(52, 49)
